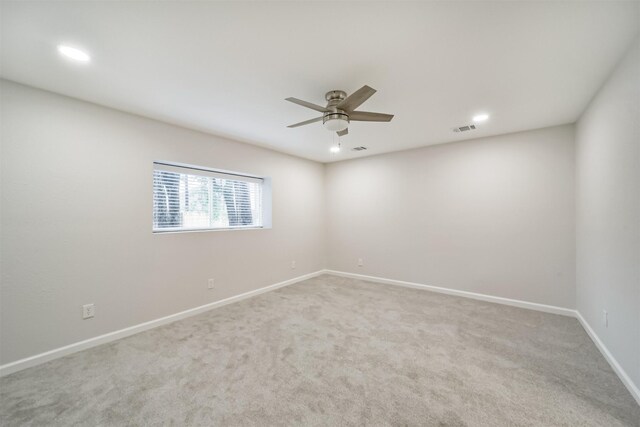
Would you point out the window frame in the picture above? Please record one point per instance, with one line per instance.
(265, 190)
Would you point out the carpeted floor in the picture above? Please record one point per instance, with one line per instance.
(334, 351)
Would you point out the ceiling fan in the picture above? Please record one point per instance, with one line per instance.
(340, 110)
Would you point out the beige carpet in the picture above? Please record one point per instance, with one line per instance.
(334, 351)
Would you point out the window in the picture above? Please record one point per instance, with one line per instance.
(187, 198)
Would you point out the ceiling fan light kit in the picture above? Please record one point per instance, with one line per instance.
(340, 110)
(335, 122)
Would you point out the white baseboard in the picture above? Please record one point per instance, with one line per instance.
(38, 359)
(482, 297)
(633, 389)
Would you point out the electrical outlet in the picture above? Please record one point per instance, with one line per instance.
(360, 263)
(88, 311)
(605, 318)
(211, 283)
(293, 265)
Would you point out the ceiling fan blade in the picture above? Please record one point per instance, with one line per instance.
(356, 99)
(306, 122)
(365, 116)
(307, 104)
(343, 132)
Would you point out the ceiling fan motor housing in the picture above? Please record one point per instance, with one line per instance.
(335, 120)
(338, 115)
(335, 95)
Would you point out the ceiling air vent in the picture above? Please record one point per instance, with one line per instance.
(359, 148)
(464, 128)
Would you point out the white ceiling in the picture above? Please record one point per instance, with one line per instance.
(225, 68)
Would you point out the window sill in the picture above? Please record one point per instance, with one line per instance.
(204, 230)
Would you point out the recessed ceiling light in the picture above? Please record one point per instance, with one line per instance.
(480, 117)
(73, 53)
(335, 149)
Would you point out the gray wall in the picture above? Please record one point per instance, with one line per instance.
(608, 213)
(492, 215)
(76, 222)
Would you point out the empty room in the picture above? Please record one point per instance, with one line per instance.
(320, 213)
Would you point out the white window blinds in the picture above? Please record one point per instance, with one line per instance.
(193, 198)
